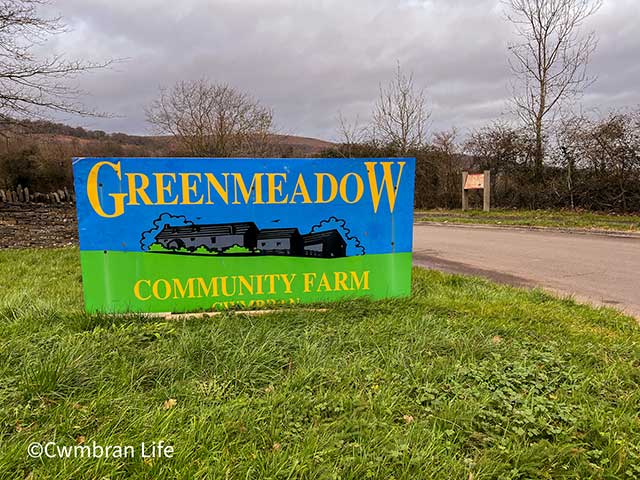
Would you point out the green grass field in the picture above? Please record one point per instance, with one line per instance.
(466, 380)
(536, 218)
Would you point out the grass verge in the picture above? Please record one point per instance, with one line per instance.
(566, 219)
(467, 379)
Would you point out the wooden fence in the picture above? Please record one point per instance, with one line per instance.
(23, 195)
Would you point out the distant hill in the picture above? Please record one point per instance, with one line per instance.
(98, 142)
(308, 145)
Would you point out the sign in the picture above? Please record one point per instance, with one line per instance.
(474, 181)
(477, 181)
(189, 234)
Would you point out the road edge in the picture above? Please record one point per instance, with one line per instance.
(529, 228)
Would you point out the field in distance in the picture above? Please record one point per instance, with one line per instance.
(563, 219)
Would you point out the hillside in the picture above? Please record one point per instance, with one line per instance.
(97, 142)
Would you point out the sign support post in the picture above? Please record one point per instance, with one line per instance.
(465, 192)
(486, 199)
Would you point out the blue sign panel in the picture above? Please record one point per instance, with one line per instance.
(183, 234)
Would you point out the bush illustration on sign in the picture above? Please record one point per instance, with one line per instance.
(354, 247)
(149, 237)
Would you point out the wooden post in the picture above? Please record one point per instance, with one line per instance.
(465, 194)
(487, 191)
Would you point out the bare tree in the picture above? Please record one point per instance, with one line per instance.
(31, 85)
(212, 119)
(550, 60)
(350, 134)
(400, 115)
(446, 153)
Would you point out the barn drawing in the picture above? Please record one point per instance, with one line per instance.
(270, 241)
(327, 244)
(214, 237)
(280, 241)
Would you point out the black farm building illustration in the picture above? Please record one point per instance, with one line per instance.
(281, 241)
(213, 237)
(271, 241)
(326, 244)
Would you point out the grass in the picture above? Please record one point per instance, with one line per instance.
(202, 250)
(464, 380)
(536, 218)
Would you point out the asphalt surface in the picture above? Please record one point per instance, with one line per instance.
(598, 269)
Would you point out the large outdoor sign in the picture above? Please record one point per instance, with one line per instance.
(188, 234)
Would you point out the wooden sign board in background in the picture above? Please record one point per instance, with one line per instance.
(477, 181)
(193, 234)
(474, 181)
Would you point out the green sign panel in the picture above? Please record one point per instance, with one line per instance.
(190, 234)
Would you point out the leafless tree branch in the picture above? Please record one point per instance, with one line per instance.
(212, 119)
(550, 60)
(30, 85)
(400, 115)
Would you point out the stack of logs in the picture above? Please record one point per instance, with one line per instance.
(23, 195)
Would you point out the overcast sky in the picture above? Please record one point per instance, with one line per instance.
(309, 59)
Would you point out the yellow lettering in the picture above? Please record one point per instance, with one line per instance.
(212, 181)
(188, 188)
(136, 290)
(210, 290)
(272, 283)
(276, 188)
(324, 283)
(161, 188)
(136, 190)
(320, 187)
(359, 187)
(387, 181)
(94, 195)
(288, 281)
(301, 189)
(256, 185)
(178, 288)
(225, 290)
(309, 279)
(156, 290)
(361, 283)
(246, 284)
(340, 281)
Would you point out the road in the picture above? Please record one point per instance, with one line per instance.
(599, 269)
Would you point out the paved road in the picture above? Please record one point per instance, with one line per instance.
(603, 270)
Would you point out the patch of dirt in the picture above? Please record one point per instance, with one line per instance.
(34, 225)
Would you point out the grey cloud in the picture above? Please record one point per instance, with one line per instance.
(310, 59)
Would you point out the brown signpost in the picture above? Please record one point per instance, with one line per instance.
(476, 181)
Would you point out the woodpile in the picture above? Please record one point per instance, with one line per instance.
(23, 195)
